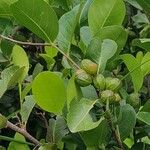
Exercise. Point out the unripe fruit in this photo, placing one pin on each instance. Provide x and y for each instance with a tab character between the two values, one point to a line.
83	78
117	97
113	84
134	99
107	95
99	82
89	66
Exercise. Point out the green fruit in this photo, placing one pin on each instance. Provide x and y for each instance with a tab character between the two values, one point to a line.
134	99
117	97
107	95
89	66
99	82
83	78
113	84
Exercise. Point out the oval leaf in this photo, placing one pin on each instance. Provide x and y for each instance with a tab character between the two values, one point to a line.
38	17
49	91
20	59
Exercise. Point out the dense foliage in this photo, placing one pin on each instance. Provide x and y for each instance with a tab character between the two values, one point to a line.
75	74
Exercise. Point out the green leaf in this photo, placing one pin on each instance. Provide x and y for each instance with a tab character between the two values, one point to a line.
47	147
137	76
145	64
146	107
127	121
20	58
3	122
144	117
85	34
104	13
89	92
97	136
142	43
27	107
78	118
67	24
101	52
73	91
116	33
49	91
12	75
58	128
134	3
16	146
38	17
145	4
5	11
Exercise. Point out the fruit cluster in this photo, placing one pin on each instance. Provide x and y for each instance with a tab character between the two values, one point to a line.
107	87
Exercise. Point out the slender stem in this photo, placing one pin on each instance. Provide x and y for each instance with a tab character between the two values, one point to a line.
23	132
5	138
40	44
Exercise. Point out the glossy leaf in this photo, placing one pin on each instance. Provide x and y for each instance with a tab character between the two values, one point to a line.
78	118
20	58
41	20
105	13
137	76
127	121
49	91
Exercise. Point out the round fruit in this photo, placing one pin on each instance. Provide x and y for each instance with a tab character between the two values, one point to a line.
89	66
83	78
99	82
134	99
117	97
107	95
113	84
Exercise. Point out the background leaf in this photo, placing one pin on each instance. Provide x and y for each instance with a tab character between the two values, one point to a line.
41	20
49	91
97	136
27	107
145	4
104	13
127	121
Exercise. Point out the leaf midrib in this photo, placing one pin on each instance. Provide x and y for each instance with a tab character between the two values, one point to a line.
34	22
83	116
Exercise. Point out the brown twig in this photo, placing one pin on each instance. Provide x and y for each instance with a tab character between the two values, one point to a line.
23	132
40	44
